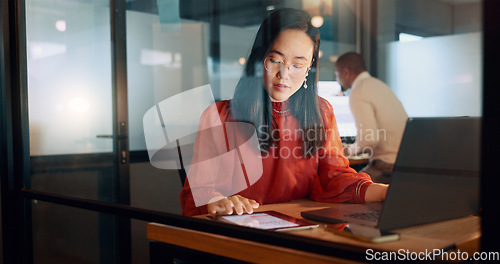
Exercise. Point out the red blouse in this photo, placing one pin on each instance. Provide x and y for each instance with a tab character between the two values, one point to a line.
285	174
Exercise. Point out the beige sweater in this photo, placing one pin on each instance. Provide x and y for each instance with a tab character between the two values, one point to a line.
380	118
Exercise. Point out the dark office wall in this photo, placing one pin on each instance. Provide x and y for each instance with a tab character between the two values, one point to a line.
67	235
467	18
154	189
432	18
424	17
64	234
1	235
2	125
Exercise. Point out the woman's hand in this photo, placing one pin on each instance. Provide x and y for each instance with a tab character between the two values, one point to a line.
376	192
225	205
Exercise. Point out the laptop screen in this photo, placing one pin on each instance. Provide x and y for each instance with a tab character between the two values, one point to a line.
436	175
441	143
330	91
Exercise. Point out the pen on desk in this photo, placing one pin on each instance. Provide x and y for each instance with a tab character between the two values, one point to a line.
333	229
339	227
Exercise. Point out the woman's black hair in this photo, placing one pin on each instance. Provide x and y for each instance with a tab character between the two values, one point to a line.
251	102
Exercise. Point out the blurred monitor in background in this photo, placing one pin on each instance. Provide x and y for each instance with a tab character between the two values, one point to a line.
332	92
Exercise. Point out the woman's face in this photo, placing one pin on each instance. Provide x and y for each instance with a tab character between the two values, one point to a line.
287	64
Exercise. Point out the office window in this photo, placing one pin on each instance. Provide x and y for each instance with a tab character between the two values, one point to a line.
450	81
440	74
69	76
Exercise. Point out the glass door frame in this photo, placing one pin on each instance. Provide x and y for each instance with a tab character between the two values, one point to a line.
14	23
14	132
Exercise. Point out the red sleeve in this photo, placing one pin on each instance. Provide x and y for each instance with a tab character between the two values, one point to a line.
210	143
187	202
336	181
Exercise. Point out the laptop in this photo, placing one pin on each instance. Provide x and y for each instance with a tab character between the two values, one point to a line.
435	178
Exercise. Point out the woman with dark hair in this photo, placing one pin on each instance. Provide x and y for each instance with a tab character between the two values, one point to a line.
300	149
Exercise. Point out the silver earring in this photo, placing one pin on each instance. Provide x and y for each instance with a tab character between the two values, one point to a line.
305	84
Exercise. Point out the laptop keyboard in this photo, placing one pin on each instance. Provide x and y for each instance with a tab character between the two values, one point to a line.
368	216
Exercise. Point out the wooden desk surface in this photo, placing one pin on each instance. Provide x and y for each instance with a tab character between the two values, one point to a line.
464	233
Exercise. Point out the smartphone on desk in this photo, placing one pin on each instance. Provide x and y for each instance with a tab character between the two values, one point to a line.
365	233
267	220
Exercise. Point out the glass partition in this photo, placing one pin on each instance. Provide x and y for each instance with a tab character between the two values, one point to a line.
69	76
171	55
182	56
76	235
442	66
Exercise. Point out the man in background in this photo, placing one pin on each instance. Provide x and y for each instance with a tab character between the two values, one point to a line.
379	115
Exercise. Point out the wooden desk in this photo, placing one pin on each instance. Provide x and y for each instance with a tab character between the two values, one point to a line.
464	233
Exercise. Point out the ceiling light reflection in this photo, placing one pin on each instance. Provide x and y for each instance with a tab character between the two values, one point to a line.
60	25
317	21
79	105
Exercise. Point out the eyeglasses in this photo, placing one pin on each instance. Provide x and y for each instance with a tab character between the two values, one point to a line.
294	69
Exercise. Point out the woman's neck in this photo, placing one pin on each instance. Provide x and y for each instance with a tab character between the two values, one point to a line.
281	108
